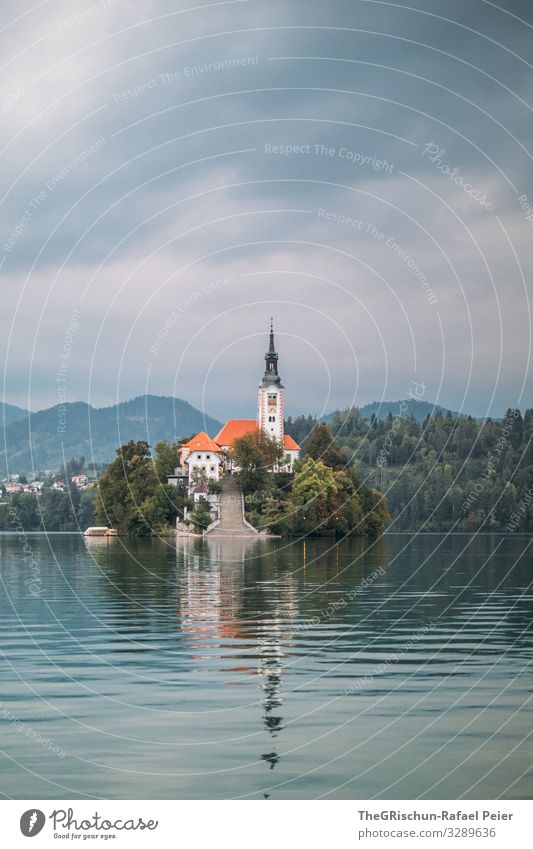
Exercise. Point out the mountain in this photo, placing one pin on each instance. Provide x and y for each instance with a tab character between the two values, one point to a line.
409	407
47	438
43	440
10	414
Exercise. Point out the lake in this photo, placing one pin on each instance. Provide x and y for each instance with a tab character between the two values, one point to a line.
182	668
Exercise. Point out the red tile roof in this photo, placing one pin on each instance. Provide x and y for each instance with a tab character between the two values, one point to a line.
234	429
202	442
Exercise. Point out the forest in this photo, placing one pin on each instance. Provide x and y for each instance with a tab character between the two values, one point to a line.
324	496
445	473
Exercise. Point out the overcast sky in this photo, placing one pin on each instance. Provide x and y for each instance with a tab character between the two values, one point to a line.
174	173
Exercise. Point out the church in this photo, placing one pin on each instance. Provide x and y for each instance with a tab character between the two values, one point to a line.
203	459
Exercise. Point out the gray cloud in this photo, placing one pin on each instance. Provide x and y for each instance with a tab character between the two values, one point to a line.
145	158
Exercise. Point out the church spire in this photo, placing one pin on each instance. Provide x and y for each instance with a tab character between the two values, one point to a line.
271	347
271	376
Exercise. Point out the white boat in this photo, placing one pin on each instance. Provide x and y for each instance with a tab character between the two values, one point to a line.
100	531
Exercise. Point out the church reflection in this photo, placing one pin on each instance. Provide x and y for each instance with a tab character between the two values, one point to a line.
220	601
233	612
274	642
210	592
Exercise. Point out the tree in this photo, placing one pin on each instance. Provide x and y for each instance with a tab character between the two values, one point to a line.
376	513
24	513
86	516
256	454
432	470
166	459
131	497
324	500
127	483
323	446
314	498
160	509
300	428
201	516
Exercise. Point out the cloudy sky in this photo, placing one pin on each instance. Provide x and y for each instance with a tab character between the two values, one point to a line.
174	173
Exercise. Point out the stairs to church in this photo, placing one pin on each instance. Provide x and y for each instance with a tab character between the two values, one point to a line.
231	513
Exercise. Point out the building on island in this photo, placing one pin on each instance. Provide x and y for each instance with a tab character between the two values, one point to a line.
203	459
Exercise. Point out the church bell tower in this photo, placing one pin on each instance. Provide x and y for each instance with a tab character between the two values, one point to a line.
270	416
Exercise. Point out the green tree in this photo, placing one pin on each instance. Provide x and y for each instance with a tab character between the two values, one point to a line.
127	483
166	459
201	516
131	497
57	512
313	500
86	516
432	469
324	500
24	511
256	454
159	510
322	445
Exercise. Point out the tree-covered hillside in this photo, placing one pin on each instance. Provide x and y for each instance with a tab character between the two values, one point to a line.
412	406
445	472
9	414
44	439
324	495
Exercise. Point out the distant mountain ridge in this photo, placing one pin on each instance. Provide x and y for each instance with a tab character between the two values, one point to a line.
43	440
418	409
34	440
9	414
408	407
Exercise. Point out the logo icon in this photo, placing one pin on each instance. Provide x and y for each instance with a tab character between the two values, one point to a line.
32	822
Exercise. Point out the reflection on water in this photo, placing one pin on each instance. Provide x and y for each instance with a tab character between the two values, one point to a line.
213	607
253	668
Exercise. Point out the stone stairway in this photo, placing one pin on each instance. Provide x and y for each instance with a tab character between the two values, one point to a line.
231	518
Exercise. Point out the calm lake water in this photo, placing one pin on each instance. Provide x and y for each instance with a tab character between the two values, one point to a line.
195	669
